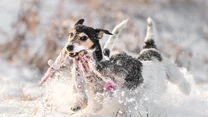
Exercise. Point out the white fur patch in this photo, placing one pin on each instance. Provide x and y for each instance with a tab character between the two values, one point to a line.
149	34
154	78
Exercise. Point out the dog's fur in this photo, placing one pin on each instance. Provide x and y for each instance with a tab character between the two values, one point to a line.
149	68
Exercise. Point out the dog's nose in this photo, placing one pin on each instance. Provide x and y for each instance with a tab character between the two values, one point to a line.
70	47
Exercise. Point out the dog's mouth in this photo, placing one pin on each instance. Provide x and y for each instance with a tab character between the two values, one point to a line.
73	54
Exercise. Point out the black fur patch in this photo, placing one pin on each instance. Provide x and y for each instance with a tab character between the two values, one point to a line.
150	44
87	30
149	55
106	52
97	54
125	67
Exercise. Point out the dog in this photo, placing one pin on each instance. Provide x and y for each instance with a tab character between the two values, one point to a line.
149	69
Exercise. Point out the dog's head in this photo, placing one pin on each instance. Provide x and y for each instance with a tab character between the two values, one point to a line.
84	38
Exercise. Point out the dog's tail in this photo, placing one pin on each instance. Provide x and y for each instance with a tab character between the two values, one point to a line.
112	39
149	39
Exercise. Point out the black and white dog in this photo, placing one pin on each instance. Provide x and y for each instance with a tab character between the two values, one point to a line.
149	69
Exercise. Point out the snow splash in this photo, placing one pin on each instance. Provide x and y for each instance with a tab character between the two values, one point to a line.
59	97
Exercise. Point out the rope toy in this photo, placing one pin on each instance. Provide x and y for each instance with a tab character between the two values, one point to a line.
84	65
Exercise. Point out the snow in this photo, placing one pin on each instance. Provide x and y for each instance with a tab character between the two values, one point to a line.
181	35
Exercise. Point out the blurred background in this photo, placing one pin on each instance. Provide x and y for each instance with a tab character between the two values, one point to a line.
33	31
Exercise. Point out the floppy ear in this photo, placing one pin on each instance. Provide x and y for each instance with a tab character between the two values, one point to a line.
80	21
100	32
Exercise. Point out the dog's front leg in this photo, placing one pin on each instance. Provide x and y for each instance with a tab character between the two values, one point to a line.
82	99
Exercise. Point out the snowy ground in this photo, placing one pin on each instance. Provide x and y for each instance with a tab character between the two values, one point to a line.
22	97
182	36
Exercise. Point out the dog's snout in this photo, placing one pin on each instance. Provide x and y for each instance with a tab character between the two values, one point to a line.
70	47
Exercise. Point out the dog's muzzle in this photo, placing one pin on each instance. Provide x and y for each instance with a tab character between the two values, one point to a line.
70	48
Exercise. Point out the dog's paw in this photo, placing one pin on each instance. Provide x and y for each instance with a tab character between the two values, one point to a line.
78	105
75	108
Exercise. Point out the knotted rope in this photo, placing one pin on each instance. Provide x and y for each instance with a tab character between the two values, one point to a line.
82	68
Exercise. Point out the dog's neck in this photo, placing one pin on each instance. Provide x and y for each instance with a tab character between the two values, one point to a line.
96	52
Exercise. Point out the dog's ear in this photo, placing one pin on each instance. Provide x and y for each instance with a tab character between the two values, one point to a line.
100	32
80	21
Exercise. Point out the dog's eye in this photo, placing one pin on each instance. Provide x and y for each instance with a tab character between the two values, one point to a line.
71	34
84	38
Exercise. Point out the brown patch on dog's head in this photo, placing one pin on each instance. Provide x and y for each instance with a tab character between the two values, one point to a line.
84	40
